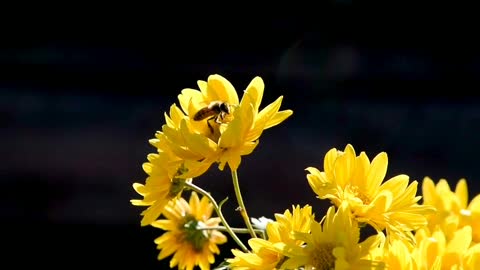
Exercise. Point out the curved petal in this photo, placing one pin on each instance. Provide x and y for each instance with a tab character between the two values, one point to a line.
362	165
190	96
278	118
344	166
236	132
198	143
329	161
376	173
461	191
255	90
219	88
262	119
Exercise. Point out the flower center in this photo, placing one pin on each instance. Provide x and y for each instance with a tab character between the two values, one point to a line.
323	258
193	233
359	194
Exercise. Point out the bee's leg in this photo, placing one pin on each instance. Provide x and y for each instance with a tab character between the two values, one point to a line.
219	118
210	125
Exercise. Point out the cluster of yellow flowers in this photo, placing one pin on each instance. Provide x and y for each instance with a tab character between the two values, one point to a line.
213	126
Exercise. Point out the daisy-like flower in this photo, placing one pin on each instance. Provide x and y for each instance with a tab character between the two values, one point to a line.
161	185
434	251
226	129
267	254
357	181
333	244
187	236
453	208
396	255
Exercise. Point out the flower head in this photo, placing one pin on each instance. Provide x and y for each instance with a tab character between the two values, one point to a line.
333	244
453	208
187	236
396	254
435	251
161	185
213	126
267	253
357	181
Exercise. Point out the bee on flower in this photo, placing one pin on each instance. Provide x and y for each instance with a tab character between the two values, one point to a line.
213	126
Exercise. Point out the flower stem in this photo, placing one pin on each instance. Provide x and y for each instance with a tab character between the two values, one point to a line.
242	209
219	213
237	230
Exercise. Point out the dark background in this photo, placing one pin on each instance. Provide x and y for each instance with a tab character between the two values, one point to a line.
81	95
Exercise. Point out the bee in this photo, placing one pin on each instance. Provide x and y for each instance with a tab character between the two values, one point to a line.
216	110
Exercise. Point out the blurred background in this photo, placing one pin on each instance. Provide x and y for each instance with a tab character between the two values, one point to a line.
81	96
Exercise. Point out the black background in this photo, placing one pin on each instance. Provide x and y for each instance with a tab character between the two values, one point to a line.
81	94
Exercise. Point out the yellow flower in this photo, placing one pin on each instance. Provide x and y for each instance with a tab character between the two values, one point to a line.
434	251
334	244
266	254
187	236
453	209
396	255
220	139
160	186
357	181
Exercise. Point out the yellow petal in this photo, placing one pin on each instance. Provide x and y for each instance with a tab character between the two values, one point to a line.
233	161
461	241
219	88
237	130
176	115
278	118
329	161
377	172
255	91
164	224
198	144
140	189
428	191
396	184
140	203
461	191
248	147
152	213
203	85
196	168
190	96
262	119
344	166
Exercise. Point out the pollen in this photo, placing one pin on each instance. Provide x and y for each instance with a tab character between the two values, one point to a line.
361	195
323	258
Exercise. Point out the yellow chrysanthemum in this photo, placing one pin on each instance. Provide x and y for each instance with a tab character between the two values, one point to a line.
453	209
434	251
357	181
266	254
160	186
396	255
225	139
333	244
187	236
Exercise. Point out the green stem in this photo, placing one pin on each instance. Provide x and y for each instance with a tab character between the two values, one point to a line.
219	213
237	230
242	209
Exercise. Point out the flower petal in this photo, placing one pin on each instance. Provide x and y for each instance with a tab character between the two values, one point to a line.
278	118
220	89
377	172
